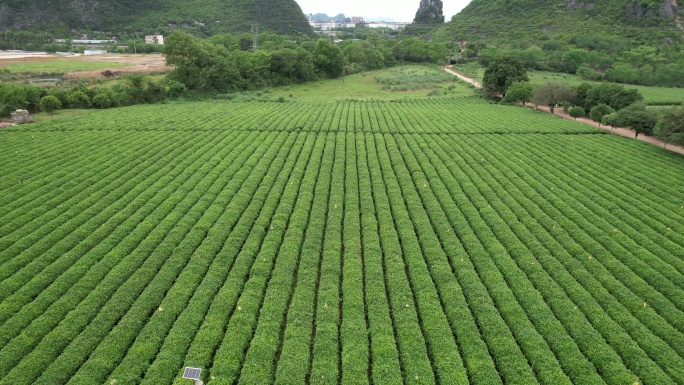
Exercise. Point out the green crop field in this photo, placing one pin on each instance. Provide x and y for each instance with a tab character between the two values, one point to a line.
431	240
401	82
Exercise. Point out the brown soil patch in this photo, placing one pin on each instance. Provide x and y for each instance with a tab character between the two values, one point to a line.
4	60
119	71
139	64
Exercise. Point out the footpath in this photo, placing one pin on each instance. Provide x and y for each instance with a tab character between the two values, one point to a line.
626	132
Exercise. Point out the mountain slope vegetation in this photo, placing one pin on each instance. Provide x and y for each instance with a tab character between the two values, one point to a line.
642	20
280	16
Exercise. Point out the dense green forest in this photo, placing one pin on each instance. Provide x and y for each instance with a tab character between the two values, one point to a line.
652	21
206	17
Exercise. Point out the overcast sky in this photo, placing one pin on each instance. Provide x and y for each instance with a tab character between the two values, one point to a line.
399	10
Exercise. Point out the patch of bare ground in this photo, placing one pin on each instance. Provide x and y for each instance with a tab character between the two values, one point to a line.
138	64
120	71
7	59
463	77
626	132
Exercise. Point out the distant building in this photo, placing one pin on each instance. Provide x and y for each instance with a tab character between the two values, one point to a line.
87	42
357	19
90	52
322	26
386	24
154	39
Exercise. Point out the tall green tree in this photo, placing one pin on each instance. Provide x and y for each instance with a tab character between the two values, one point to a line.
519	92
80	100
576	112
614	95
552	93
573	58
50	104
503	72
327	58
638	118
599	111
670	128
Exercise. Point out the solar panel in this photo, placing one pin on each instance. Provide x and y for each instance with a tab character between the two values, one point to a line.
192	373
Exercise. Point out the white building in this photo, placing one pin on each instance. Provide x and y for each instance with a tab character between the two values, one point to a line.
384	24
90	52
330	25
154	39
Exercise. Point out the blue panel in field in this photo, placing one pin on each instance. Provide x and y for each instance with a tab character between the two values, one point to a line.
192	373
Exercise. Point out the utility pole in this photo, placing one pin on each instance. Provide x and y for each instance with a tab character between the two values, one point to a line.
255	37
343	60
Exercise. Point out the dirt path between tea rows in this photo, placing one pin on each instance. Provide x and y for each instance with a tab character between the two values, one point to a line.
626	132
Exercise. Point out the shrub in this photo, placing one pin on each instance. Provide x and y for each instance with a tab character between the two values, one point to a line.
50	104
576	112
102	101
78	99
599	111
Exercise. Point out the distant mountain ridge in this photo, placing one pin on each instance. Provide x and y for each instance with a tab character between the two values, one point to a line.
281	16
643	19
325	17
430	12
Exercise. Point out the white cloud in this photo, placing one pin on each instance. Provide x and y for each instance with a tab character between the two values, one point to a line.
402	10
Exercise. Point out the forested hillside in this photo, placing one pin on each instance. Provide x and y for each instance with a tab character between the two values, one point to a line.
644	20
209	16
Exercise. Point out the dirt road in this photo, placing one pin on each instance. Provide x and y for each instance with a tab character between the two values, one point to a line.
626	132
463	77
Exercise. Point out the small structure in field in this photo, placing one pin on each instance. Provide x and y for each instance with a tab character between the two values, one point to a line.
20	116
154	39
91	52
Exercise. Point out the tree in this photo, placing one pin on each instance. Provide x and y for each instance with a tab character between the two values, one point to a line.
622	73
670	128
611	120
552	93
614	95
576	112
599	111
50	104
501	73
327	58
581	93
638	118
588	73
79	100
573	58
519	92
102	101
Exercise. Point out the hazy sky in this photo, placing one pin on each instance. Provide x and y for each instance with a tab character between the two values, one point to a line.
399	10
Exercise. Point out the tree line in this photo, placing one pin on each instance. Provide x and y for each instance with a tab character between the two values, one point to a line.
593	57
609	104
228	63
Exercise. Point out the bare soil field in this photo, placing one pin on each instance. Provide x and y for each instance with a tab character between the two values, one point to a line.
146	64
138	64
